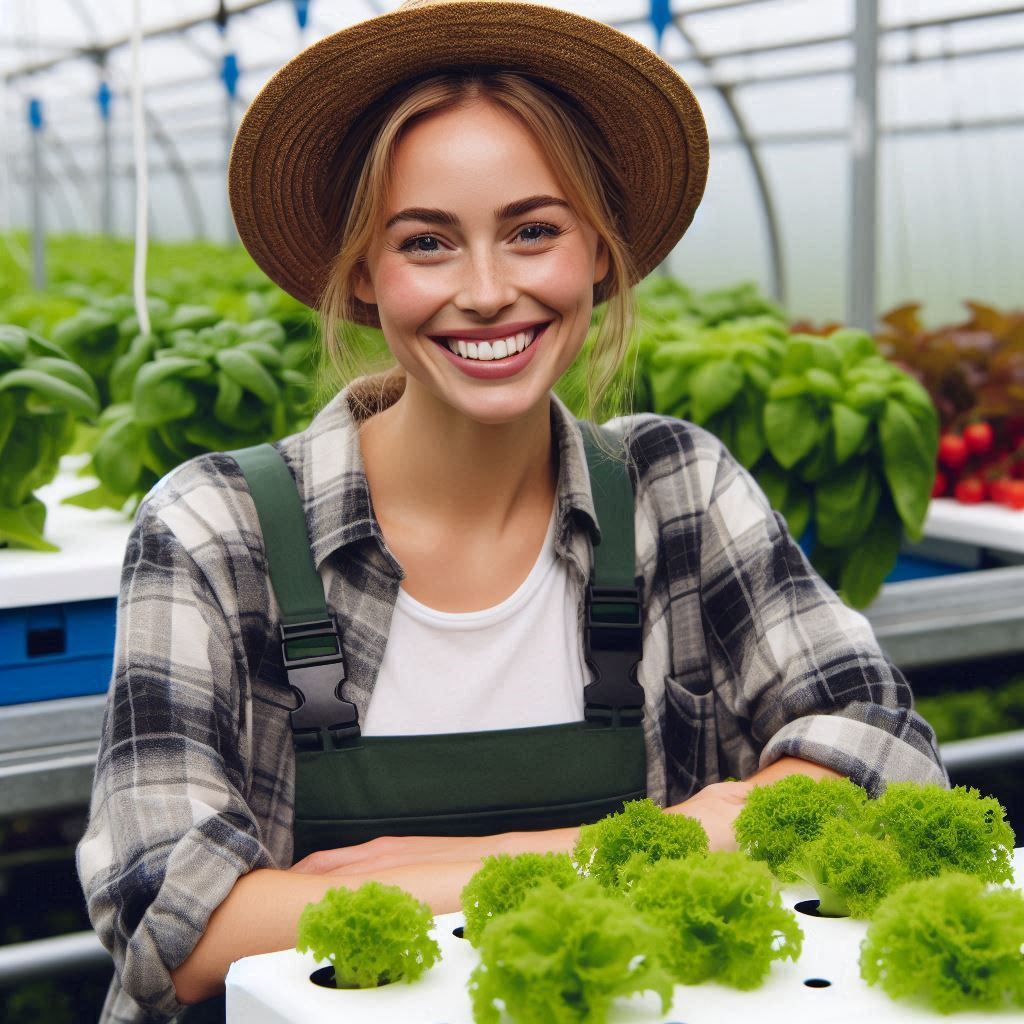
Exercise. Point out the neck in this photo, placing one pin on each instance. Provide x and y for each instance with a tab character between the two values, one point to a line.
424	459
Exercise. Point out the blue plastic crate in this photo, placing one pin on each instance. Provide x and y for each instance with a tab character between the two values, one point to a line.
57	650
908	566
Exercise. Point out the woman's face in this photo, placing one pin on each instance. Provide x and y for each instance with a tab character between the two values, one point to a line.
481	247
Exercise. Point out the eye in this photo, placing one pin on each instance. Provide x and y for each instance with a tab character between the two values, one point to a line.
534	233
421	244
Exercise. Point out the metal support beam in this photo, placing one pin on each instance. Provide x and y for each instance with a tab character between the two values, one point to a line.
94	49
903	26
833	71
776	270
189	195
73	175
107	196
689	12
36	185
860	299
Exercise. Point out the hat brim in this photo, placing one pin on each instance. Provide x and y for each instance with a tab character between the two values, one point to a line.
285	143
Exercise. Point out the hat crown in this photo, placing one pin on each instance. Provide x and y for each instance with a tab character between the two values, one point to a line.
412	5
286	146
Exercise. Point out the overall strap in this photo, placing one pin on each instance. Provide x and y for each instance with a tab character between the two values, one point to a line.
614	612
310	642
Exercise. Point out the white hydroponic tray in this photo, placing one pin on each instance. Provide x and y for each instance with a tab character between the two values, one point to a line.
985	525
275	988
91	541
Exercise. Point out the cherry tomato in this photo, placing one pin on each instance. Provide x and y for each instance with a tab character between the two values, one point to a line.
1013	494
979	437
997	489
970	490
952	451
941	484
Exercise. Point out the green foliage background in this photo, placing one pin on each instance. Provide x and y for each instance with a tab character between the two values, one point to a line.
841	441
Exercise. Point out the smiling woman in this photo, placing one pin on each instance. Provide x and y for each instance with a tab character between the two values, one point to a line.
448	619
526	138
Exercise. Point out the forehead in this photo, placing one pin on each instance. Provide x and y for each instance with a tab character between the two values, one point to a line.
466	154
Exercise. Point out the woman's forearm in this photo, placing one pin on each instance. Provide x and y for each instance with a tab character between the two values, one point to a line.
261	913
717	806
791	766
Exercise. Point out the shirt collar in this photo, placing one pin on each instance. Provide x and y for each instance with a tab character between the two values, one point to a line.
328	465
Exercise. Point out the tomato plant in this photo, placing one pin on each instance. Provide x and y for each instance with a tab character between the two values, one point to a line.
979	437
953	451
1013	494
970	490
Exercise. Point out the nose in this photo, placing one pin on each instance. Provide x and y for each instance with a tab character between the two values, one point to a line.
485	287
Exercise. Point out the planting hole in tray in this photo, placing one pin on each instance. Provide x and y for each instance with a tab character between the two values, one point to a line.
810	908
324	977
458	932
818	983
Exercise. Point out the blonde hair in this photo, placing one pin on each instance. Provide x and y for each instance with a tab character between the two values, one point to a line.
354	210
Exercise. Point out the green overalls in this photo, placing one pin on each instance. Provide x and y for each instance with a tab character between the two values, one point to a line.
351	788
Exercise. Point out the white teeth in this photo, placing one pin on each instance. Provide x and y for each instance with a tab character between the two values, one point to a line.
489	350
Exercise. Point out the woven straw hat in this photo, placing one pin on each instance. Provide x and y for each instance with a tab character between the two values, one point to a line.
293	129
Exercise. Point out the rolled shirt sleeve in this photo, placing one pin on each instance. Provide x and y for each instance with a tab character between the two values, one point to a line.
169	828
789	657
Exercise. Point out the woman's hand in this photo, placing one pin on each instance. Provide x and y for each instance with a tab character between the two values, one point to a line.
716	807
395	852
404	851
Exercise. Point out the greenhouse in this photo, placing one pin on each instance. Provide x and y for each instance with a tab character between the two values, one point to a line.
511	511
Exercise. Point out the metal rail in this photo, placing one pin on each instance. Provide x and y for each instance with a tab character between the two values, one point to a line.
79	951
949	619
48	753
983	751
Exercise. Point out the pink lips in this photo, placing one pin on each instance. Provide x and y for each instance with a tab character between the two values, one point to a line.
490	333
495	369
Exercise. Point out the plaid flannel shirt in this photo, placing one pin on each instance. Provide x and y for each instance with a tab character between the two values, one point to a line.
747	657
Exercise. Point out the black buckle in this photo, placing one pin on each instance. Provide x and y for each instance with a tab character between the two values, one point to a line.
316	682
613	651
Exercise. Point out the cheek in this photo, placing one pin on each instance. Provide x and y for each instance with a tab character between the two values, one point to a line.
406	295
563	279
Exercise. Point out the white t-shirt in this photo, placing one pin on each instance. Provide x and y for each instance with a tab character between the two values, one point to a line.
513	665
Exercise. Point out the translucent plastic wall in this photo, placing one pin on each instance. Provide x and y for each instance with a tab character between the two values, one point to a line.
775	79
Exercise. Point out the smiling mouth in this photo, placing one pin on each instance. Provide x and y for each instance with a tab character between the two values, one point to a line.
492	348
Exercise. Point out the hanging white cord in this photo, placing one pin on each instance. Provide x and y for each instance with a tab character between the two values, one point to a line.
141	173
12	105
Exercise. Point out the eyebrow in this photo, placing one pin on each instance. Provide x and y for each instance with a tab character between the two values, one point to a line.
515	209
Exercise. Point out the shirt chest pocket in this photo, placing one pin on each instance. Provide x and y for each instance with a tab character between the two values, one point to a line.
691	739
